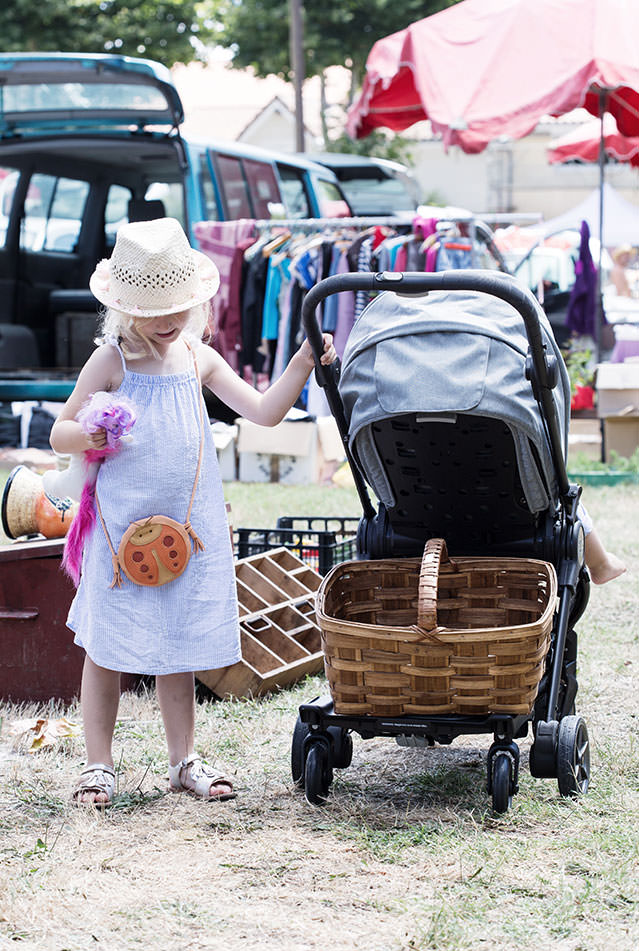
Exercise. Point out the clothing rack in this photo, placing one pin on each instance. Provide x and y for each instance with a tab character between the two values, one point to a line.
395	221
320	224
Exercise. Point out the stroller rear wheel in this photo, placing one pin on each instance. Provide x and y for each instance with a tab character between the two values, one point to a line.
573	756
298	752
342	743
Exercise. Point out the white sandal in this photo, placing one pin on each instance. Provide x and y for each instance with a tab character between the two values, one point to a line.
95	778
203	776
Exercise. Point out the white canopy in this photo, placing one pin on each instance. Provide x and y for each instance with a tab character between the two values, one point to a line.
620	218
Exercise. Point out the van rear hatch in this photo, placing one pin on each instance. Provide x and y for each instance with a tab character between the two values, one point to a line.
80	92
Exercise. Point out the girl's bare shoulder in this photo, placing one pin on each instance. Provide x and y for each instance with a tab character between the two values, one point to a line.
208	361
105	367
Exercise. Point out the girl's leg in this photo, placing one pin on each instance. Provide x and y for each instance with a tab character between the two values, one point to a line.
99	699
603	565
176	696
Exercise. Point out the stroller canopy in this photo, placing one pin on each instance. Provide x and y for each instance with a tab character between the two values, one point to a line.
443	354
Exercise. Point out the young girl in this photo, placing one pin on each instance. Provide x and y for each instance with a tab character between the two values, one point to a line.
155	287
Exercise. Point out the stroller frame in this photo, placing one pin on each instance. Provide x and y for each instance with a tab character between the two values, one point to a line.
322	739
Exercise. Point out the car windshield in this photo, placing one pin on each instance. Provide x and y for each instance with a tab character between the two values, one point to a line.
372	192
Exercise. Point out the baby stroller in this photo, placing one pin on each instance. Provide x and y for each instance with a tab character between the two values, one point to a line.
453	403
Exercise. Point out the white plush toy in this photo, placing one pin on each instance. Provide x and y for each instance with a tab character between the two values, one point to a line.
101	411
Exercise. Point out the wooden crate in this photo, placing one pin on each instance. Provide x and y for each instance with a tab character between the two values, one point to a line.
280	638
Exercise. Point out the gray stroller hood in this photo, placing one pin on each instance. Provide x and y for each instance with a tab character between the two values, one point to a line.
443	354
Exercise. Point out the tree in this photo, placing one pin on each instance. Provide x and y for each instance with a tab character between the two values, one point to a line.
396	148
335	31
169	31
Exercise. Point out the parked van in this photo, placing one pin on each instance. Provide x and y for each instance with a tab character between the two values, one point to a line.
88	142
373	186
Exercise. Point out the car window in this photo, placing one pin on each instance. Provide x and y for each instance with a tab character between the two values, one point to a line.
82	98
370	191
263	187
53	212
171	194
9	178
294	192
233	187
331	202
115	212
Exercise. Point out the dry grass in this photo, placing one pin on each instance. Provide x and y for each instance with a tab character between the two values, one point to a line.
406	855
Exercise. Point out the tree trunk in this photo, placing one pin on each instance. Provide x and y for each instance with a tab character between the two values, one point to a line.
323	108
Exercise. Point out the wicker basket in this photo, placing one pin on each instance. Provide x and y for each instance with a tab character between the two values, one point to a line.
467	636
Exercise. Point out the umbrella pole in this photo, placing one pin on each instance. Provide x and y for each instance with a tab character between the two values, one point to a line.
602	162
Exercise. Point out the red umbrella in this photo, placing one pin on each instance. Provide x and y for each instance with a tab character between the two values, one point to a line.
583	144
482	69
486	68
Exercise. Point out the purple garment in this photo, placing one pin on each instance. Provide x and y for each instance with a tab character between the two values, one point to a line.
581	316
345	310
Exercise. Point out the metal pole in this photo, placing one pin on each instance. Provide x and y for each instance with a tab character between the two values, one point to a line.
296	38
602	162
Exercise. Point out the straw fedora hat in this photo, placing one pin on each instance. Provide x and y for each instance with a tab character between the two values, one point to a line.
154	271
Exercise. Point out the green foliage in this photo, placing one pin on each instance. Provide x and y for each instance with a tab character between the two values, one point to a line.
377	144
336	32
580	366
616	463
168	31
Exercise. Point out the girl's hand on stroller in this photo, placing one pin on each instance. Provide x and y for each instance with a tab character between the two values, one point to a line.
328	356
330	353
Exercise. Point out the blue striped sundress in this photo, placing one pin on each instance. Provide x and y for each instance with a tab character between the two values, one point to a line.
191	623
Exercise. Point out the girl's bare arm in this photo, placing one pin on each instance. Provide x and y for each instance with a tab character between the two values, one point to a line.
102	371
270	407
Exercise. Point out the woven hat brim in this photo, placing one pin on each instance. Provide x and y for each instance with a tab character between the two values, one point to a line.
206	289
21	491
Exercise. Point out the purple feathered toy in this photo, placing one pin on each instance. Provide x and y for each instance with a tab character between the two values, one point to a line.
116	415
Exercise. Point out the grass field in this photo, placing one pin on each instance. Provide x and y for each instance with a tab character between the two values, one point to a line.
405	856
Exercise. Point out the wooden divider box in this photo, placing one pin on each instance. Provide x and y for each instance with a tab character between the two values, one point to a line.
278	631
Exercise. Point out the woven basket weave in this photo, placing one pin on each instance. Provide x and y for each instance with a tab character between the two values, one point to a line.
467	636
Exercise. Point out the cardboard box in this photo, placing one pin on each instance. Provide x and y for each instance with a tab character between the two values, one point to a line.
621	434
225	439
617	386
295	452
584	438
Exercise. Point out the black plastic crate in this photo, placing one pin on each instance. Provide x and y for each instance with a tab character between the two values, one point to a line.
319	541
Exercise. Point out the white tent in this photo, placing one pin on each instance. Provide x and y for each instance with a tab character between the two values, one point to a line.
620	218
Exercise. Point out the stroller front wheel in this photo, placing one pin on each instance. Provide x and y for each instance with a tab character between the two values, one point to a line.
502	783
318	774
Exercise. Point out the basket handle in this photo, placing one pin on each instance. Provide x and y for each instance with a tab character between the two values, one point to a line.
435	554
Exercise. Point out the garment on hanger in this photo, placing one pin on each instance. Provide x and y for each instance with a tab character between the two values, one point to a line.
219	240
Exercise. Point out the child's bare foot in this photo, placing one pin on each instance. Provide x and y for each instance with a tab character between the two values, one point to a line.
606	569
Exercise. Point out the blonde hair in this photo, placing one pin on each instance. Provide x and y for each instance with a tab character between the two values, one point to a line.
621	251
128	330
